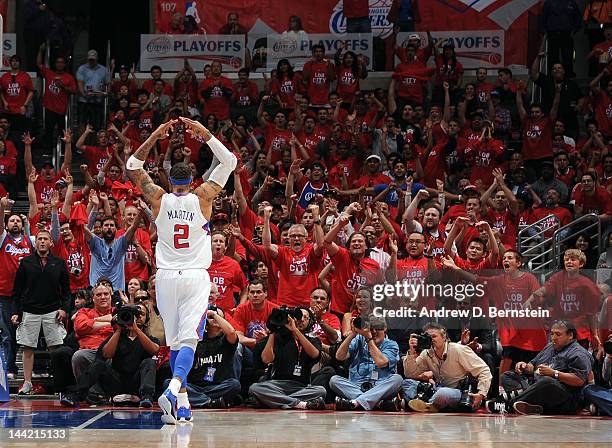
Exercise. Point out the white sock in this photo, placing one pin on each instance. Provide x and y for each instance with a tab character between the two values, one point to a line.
182	400
175	386
300	405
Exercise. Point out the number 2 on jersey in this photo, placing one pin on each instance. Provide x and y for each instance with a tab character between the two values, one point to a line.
181	233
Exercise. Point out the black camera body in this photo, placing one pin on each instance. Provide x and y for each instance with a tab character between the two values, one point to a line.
127	314
466	401
423	342
361	323
279	317
425	391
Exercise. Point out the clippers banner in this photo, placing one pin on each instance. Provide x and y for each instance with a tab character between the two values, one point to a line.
509	17
169	51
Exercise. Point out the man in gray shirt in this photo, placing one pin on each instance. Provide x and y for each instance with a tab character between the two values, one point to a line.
93	80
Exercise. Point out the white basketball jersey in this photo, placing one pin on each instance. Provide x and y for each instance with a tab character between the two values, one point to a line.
183	234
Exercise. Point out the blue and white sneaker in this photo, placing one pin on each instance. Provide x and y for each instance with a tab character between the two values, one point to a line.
184	415
167	403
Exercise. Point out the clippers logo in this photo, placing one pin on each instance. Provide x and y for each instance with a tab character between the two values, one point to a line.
379	9
159	45
16	251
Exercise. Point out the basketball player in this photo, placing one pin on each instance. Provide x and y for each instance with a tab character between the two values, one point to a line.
183	254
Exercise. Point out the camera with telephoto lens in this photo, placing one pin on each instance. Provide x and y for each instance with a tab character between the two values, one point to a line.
607	346
361	323
466	401
76	270
279	317
425	391
127	314
423	342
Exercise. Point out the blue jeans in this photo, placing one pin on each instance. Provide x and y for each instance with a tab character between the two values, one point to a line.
600	397
444	397
201	395
382	390
7	335
359	25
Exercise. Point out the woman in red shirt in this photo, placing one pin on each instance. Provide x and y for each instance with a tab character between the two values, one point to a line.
349	72
286	84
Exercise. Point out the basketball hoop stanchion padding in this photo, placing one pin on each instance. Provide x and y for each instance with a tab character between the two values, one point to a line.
4	385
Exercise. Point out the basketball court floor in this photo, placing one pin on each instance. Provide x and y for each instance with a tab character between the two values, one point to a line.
247	428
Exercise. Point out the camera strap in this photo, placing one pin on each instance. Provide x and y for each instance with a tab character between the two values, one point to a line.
297	370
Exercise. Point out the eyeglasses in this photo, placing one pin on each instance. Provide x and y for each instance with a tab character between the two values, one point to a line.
296	236
413	242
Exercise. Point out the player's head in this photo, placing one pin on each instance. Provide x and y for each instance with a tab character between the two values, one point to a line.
512	260
180	176
573	260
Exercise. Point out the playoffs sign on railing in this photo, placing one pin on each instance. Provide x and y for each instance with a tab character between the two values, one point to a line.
298	49
170	51
479	48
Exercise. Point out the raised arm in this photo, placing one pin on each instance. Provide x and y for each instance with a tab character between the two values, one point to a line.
456	229
554	109
267	235
33	210
80	144
27	153
67	139
520	90
136	173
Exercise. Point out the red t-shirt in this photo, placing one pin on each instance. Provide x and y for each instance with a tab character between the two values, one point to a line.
133	267
537	138
482	89
298	275
245	95
603	113
55	98
77	256
86	335
276	139
96	158
599	202
507	225
310	142
331	320
11	253
319	82
446	72
286	89
249	220
149	83
473	266
348	84
15	89
348	168
410	80
564	217
8	164
411	271
247	319
575	299
507	293
349	276
218	101
484	157
229	278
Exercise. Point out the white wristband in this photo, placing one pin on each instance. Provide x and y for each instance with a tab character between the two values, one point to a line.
134	163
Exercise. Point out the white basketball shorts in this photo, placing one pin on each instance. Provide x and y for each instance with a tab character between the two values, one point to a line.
182	300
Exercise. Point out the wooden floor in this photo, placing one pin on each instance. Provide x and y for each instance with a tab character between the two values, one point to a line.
246	428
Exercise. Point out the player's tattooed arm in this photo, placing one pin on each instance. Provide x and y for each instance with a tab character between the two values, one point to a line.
151	192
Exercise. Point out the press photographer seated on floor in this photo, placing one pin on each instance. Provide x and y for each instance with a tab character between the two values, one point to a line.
290	356
124	369
447	365
551	383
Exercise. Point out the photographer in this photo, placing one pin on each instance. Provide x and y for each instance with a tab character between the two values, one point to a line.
447	364
131	370
290	355
601	396
211	382
552	381
373	359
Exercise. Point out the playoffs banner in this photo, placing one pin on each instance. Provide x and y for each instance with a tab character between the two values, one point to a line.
473	48
299	50
9	43
510	17
170	51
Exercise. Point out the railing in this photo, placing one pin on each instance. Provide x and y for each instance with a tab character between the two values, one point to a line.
534	246
110	80
575	228
536	92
